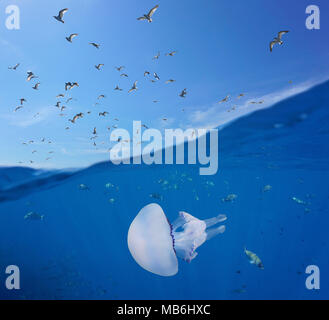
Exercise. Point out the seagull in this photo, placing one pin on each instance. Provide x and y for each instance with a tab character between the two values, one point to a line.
76	117
149	15
156	76
240	95
30	76
95	45
225	99
60	96
36	86
14	67
103	114
117	88
17	108
98	67
120	68
94	131
63	108
124	75
68	100
183	93
277	40
61	15
171	54
170	81
157	56
68	85
134	87
74	84
22	101
71	37
58	104
146	73
101	97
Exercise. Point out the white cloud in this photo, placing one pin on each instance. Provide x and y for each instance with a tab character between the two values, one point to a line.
19	120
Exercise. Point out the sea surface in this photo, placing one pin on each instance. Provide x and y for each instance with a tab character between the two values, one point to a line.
276	162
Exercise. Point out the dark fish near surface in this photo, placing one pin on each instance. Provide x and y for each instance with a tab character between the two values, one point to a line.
156	196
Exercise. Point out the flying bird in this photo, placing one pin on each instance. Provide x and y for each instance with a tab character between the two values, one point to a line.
156	76
240	95
117	88
225	99
171	54
22	101
76	117
71	37
17	108
103	114
61	15
134	87
95	45
149	15
14	67
101	97
30	76
277	40
157	56
124	75
120	68
95	131
146	73
36	86
183	93
68	85
60	96
170	81
99	66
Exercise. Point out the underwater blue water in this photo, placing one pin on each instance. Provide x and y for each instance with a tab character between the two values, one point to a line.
79	250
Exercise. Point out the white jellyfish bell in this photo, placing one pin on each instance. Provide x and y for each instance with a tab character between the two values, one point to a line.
155	244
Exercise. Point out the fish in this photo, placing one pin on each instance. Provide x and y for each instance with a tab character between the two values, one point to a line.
254	259
156	196
267	188
34	216
298	200
230	198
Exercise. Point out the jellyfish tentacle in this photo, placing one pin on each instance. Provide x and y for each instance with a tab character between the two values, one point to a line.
215	231
179	222
195	233
212	221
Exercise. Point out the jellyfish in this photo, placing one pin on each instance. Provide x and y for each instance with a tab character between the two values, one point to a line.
155	244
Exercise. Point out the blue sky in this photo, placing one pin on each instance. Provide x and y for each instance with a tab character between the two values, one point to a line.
223	49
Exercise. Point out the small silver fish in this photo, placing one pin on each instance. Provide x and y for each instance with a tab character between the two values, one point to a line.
298	200
230	198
